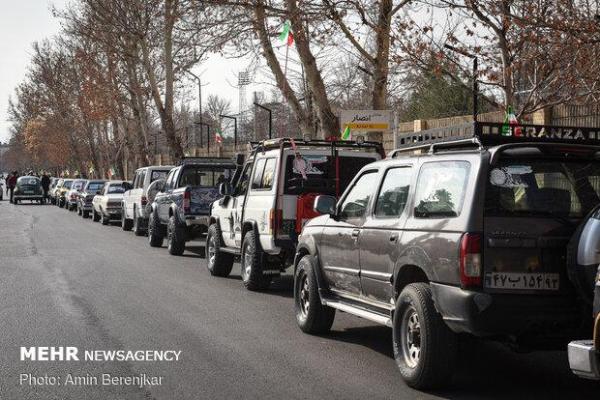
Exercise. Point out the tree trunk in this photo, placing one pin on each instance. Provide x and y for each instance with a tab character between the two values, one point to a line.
280	78
329	121
381	62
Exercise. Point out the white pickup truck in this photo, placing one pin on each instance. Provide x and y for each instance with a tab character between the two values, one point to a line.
262	213
135	200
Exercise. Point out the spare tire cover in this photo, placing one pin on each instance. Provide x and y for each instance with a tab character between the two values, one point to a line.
583	256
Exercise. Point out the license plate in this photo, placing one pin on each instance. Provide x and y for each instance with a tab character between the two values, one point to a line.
522	281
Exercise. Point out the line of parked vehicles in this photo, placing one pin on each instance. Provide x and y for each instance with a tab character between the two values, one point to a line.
478	234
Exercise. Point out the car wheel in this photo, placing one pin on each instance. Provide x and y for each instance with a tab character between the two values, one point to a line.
103	218
85	214
126	223
218	262
137	229
312	316
252	262
175	237
425	348
155	239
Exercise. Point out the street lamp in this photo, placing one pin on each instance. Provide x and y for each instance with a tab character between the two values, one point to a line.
270	118
207	135
475	72
197	78
235	127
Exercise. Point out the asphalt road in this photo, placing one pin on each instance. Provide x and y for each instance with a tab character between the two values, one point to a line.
66	281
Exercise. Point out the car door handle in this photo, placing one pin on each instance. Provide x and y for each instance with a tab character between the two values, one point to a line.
355	232
393	237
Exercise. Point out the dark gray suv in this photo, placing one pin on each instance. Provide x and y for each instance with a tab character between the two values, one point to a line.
459	231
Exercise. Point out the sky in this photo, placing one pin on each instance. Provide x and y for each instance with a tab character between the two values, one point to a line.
23	22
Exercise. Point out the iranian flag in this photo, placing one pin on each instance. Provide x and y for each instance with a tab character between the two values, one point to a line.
218	137
286	35
346	133
510	121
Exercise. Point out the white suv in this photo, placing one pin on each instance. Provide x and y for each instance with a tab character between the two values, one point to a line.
135	200
271	197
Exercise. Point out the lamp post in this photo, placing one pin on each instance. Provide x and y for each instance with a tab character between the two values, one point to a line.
270	118
475	72
207	135
235	127
197	78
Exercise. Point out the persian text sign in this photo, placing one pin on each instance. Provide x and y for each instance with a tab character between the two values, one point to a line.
366	120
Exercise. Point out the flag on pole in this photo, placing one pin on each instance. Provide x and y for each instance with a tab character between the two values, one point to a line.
510	121
346	133
286	35
218	137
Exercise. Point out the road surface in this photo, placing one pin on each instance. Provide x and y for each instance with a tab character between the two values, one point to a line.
72	282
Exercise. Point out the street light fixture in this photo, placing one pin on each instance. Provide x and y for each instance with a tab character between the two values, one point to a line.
270	118
475	73
235	128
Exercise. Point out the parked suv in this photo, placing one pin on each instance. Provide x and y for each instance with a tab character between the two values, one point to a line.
85	198
261	216
135	200
180	210
454	234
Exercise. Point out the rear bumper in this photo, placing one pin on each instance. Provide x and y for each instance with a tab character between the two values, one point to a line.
87	207
28	196
193	220
509	315
113	213
584	359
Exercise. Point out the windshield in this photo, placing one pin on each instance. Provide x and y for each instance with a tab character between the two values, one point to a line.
543	187
116	189
68	184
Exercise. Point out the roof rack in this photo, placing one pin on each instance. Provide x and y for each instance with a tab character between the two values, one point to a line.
289	142
204	160
487	134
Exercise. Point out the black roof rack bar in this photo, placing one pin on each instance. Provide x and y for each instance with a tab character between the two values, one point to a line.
490	134
277	143
204	160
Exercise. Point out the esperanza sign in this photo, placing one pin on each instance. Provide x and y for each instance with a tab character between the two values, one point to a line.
366	120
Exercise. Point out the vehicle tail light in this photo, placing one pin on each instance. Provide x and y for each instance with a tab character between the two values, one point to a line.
144	200
275	220
186	201
470	260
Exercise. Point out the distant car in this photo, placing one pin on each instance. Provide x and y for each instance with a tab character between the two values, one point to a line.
72	195
29	188
136	199
62	191
106	205
84	200
53	183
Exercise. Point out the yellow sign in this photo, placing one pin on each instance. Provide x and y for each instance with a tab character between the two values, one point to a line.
367	125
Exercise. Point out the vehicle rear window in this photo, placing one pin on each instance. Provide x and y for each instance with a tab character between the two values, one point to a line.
78	185
158	175
94	186
543	187
204	176
115	188
318	172
28	181
68	184
441	189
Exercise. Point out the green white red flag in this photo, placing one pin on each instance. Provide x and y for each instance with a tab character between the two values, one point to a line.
218	137
511	126
286	35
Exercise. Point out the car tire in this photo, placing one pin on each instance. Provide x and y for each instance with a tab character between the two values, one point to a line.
218	263
85	214
175	237
137	230
425	348
104	219
252	262
126	223
312	316
155	239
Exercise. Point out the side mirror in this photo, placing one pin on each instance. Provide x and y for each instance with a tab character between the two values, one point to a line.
225	189
325	204
240	158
